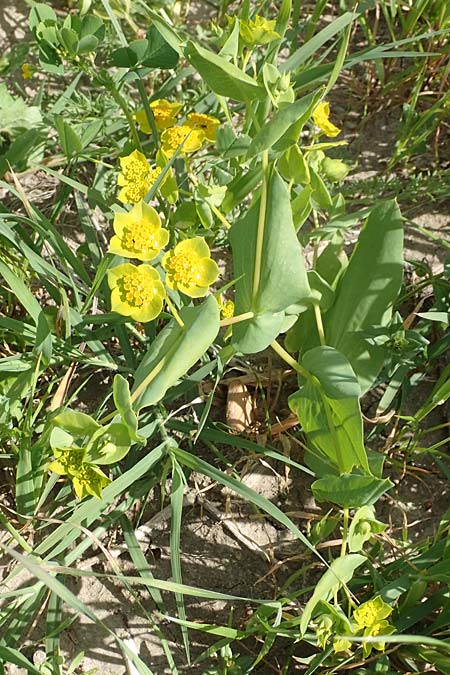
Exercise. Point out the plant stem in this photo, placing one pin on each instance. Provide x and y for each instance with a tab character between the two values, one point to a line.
174	311
344	533
283	354
261	225
319	323
148	112
121	102
236	319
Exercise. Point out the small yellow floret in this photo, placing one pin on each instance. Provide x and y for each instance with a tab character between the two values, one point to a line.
206	123
321	117
189	268
190	139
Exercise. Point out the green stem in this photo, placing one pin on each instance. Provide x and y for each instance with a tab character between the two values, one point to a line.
174	311
261	224
283	354
148	112
319	323
122	103
345	532
236	319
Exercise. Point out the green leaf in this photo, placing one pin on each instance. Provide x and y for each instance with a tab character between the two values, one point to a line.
328	409
283	119
174	351
159	53
223	77
109	444
69	140
350	490
122	399
130	56
339	573
282	278
367	290
41	13
77	424
15	115
43	344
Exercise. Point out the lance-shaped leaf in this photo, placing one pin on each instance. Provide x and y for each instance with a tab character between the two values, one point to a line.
174	351
269	266
327	406
223	77
122	399
337	575
367	290
293	115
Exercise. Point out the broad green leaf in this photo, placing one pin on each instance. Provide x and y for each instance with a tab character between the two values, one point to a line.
328	409
282	280
40	12
109	444
363	526
159	53
283	119
223	77
367	291
122	399
15	115
350	490
339	573
77	424
174	351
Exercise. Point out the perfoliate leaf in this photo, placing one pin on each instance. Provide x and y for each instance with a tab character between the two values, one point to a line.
282	278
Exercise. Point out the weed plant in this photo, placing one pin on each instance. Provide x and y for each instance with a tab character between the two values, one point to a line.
175	147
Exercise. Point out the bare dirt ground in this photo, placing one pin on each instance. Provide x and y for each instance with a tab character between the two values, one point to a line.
237	553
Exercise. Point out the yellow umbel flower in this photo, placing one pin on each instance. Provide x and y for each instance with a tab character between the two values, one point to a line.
136	291
135	178
321	117
189	268
164	112
87	479
371	621
206	123
172	138
138	233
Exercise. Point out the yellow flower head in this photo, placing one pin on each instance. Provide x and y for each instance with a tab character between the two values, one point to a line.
164	112
136	291
371	612
87	479
371	622
173	137
27	71
206	123
226	308
321	117
136	177
138	233
189	268
261	31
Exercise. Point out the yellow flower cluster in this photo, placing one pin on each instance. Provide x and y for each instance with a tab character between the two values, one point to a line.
87	479
190	135
137	291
